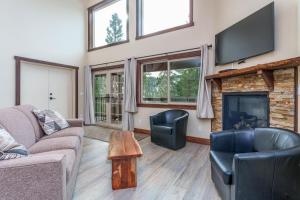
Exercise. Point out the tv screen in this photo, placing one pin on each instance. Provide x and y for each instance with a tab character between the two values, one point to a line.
250	37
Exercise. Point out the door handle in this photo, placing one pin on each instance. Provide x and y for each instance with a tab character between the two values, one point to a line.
52	98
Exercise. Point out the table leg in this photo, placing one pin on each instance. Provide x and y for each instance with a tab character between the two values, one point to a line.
124	173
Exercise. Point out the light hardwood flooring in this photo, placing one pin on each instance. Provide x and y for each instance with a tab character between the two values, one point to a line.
162	174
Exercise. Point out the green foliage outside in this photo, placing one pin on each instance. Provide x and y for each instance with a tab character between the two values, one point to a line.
114	31
155	87
99	92
183	85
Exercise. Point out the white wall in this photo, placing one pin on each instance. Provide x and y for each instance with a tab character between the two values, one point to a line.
52	30
210	18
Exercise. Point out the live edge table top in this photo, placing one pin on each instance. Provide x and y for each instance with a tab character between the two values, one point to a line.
123	145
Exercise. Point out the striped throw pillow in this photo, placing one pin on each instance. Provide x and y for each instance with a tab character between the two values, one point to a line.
9	148
50	121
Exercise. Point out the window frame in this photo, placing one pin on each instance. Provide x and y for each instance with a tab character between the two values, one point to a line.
166	58
91	36
139	22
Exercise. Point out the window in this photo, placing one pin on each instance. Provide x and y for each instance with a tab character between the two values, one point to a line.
108	24
170	82
157	16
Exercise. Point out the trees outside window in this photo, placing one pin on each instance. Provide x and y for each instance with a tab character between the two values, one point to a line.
108	23
115	30
171	81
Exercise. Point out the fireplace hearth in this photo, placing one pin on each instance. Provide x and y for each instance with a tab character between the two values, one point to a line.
245	110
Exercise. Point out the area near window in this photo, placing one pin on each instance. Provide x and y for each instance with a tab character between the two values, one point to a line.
169	83
156	16
108	23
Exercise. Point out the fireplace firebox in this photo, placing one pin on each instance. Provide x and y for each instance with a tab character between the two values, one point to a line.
245	110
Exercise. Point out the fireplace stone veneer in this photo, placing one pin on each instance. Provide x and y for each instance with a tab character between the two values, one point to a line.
282	99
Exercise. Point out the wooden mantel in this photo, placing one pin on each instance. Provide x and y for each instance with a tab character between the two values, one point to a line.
265	70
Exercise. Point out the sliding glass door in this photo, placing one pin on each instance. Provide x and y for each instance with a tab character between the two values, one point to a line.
108	97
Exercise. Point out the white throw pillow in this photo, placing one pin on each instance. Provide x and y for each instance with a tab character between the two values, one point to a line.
9	148
50	121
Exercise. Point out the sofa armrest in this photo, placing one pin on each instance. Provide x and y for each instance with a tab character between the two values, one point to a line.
253	174
223	141
75	122
34	177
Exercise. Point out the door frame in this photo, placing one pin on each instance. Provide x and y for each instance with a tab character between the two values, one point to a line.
106	70
19	60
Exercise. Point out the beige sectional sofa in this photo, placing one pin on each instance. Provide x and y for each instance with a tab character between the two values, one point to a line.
50	171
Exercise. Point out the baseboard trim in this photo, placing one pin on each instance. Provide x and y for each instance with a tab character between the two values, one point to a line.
191	139
198	140
141	131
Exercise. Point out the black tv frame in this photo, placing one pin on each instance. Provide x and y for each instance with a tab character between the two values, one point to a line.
242	60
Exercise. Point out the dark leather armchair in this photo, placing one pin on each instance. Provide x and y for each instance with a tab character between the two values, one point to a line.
168	128
256	164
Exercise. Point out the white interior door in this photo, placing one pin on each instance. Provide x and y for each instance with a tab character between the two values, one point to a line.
34	85
48	88
61	91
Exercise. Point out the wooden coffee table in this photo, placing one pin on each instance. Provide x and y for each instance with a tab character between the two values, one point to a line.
123	151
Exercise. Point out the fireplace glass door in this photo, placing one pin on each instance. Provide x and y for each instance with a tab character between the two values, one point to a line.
245	110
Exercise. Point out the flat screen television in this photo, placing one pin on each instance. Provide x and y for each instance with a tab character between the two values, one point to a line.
250	37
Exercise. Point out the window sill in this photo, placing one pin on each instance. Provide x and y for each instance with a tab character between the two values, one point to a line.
108	45
165	31
172	106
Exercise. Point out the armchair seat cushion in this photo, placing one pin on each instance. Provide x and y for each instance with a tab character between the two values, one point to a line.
52	144
222	163
70	159
165	129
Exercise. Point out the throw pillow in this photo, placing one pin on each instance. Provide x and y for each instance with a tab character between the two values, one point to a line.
9	148
50	121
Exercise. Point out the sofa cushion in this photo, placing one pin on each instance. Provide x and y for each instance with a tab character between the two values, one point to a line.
162	129
52	144
50	120
73	131
222	163
27	110
18	125
70	159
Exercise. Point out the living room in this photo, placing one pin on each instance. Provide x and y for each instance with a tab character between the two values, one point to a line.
149	99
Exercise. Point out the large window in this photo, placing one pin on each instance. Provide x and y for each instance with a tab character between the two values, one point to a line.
108	23
160	16
170	82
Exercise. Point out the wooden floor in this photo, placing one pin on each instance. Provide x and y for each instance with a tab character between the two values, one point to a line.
162	174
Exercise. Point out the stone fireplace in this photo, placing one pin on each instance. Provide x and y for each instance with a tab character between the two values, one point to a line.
255	100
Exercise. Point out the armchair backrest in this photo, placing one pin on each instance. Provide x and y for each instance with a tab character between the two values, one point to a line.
171	115
269	139
272	172
261	140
